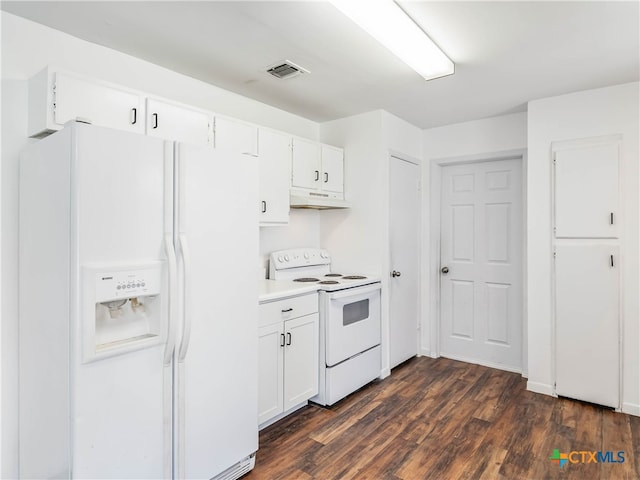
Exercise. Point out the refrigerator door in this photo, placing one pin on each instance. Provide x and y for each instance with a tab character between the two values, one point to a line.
217	245
117	201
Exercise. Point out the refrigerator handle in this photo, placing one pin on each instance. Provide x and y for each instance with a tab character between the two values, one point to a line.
186	318
173	299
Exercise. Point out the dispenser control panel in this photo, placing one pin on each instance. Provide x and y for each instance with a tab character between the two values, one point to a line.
123	309
114	284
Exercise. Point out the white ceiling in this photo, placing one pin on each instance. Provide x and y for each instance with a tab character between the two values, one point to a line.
506	53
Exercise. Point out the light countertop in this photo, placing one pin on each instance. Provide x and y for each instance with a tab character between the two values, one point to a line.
277	289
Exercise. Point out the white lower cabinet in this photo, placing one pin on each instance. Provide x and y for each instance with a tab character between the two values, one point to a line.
288	355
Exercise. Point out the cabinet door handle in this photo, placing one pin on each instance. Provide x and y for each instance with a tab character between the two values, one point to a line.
155	120
282	339
288	338
264	206
326	177
317	175
611	218
612	265
134	116
287	310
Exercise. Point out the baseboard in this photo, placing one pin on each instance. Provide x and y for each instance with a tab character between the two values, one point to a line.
425	352
537	387
484	364
280	416
384	373
631	409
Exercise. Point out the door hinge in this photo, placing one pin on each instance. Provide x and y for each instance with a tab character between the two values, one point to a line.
53	97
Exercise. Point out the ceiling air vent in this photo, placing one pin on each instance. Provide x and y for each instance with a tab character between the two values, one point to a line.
286	69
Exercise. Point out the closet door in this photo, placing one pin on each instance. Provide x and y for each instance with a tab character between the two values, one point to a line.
587	325
586	192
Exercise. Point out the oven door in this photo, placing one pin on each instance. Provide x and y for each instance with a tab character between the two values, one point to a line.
351	322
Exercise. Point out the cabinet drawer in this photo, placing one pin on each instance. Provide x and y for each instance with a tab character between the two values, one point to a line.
294	307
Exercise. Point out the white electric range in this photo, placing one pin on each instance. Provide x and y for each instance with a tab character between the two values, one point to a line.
350	320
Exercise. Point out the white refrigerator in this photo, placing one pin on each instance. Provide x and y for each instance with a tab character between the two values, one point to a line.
138	308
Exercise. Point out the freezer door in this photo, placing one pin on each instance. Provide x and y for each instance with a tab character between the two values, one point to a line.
117	199
217	245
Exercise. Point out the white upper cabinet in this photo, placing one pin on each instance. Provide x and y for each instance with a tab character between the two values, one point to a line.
274	158
305	164
332	169
317	167
57	97
587	191
235	136
181	123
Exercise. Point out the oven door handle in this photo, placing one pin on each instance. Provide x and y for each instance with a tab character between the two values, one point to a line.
353	291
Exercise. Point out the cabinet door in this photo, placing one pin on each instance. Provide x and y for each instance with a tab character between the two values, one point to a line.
586	192
305	165
275	171
270	375
301	360
236	136
98	103
178	122
587	322
332	169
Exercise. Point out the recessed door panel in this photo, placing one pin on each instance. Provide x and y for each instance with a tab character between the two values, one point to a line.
498	216
498	313
462	307
462	232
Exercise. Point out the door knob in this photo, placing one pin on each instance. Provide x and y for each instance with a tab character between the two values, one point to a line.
445	270
395	274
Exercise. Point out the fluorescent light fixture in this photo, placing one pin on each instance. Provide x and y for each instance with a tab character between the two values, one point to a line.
385	21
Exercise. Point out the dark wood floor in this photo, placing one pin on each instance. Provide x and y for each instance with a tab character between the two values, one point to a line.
442	419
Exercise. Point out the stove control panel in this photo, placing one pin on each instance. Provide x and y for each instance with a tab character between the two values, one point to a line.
299	257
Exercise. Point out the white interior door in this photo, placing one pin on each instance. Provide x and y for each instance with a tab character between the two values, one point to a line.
481	263
405	260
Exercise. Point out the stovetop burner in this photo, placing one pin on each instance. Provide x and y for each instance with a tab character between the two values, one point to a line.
311	267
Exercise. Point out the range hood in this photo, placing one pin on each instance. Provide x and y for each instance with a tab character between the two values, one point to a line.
315	200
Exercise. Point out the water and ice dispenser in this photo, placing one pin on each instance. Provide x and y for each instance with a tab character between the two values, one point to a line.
123	309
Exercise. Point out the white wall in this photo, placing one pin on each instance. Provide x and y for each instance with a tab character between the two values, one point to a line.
358	238
480	139
605	111
28	47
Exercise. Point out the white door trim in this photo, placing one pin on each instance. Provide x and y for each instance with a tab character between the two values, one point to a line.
433	274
